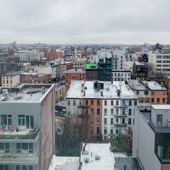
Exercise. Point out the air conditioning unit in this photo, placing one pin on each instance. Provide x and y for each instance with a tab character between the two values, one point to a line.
168	122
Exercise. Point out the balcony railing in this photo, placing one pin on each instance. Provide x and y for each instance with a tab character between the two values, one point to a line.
121	115
21	134
16	158
121	106
119	125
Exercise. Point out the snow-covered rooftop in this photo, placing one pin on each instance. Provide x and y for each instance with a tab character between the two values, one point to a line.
161	106
97	156
64	163
153	85
85	89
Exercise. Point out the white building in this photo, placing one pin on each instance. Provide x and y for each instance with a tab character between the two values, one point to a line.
160	60
93	58
96	157
110	103
151	137
10	79
121	75
30	55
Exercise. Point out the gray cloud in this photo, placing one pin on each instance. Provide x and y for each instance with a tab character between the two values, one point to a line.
85	21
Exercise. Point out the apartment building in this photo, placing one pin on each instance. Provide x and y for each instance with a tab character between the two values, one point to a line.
91	71
29	77
60	90
121	75
148	92
10	79
109	106
73	74
30	55
151	137
79	63
27	128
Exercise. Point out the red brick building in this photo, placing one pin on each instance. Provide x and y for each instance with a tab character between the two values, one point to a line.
53	54
73	74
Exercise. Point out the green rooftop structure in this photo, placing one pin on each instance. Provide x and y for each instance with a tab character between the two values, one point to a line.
91	71
91	66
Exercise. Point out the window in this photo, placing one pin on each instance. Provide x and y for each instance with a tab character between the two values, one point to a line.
6	120
68	103
123	102
152	92
146	92
135	102
158	100
4	147
112	103
163	100
91	102
117	111
105	102
111	121
112	111
98	111
116	120
98	102
123	121
86	102
98	121
105	120
130	103
123	111
24	147
4	167
111	131
26	121
159	119
117	102
105	111
147	100
130	111
105	131
117	131
140	100
137	92
74	103
152	100
92	111
129	121
91	121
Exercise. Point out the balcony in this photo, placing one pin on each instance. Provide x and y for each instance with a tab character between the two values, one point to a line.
121	115
21	134
119	125
11	159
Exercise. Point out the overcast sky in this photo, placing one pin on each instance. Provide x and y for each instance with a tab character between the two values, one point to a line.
85	21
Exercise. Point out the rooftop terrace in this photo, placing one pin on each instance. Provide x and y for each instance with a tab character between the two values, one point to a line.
24	93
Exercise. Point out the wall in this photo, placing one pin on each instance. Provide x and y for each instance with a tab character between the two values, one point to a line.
47	137
144	143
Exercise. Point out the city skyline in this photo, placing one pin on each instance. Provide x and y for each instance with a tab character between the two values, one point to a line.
85	22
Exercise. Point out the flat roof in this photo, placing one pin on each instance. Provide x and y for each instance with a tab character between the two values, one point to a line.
157	129
161	106
137	85
109	91
64	163
26	93
153	85
12	73
77	70
97	156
